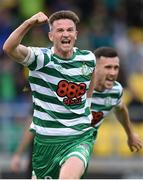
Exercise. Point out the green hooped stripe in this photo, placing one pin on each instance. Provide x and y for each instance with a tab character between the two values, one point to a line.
64	139
55	124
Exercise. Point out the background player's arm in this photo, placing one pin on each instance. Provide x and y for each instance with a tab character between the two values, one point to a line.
134	142
91	86
25	141
13	47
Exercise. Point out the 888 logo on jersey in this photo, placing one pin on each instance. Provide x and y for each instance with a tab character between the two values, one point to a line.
71	91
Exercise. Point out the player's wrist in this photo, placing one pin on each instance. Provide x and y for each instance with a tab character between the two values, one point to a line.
28	23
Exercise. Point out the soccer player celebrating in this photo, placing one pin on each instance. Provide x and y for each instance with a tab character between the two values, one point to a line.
59	77
107	94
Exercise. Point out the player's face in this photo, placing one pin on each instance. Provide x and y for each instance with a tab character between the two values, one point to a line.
63	35
107	70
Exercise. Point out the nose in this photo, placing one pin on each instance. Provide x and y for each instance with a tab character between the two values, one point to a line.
113	72
65	33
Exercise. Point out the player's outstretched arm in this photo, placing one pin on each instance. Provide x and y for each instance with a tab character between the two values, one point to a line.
12	46
134	142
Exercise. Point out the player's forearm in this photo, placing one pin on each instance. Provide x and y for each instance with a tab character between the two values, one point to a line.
26	140
12	46
123	117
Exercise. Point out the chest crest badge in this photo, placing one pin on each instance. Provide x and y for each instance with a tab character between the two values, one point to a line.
86	70
108	101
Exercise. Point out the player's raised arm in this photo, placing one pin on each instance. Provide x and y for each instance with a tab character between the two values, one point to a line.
12	46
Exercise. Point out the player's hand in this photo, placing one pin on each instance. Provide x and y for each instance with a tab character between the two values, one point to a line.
15	163
135	143
37	19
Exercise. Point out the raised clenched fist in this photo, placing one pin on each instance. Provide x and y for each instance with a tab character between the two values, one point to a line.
39	18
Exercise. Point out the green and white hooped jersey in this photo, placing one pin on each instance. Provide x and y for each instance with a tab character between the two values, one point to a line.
59	88
103	102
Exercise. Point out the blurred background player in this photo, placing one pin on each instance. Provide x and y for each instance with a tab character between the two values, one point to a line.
107	94
26	143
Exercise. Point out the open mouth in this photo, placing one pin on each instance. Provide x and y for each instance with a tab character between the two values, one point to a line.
110	81
65	41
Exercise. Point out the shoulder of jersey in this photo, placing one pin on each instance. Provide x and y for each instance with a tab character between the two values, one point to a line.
87	53
118	87
45	50
82	51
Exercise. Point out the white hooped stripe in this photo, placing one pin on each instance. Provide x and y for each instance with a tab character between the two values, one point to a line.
57	131
67	122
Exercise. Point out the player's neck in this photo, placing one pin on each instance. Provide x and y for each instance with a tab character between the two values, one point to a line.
98	87
64	54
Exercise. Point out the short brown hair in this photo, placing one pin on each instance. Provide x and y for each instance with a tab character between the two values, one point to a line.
64	14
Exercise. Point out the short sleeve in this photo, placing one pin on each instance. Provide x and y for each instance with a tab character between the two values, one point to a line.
36	58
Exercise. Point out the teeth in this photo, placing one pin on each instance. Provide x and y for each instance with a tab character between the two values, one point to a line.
110	79
65	41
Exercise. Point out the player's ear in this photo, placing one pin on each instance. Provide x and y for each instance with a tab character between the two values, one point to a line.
50	34
76	35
